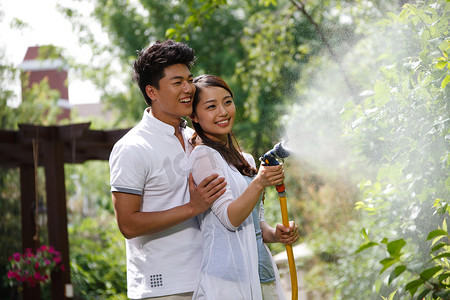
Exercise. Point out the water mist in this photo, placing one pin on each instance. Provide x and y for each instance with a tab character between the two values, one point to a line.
390	139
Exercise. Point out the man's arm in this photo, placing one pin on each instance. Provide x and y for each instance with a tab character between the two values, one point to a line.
132	222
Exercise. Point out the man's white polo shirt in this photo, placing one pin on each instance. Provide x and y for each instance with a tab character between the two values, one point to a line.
150	161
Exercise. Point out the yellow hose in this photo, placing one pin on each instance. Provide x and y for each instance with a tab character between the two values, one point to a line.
290	253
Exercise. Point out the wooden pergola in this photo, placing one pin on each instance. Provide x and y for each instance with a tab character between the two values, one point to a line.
51	147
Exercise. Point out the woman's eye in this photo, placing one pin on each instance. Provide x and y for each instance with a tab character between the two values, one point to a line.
210	106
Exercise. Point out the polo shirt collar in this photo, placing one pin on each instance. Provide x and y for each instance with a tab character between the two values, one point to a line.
159	125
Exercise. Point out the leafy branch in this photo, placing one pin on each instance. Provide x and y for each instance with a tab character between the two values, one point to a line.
301	7
435	279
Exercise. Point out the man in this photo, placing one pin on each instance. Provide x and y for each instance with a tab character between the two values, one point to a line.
155	199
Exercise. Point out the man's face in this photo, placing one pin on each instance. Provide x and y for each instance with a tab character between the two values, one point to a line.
173	99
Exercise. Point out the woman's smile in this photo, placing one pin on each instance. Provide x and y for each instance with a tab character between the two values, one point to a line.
215	113
223	122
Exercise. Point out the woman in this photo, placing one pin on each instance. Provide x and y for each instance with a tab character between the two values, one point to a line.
229	268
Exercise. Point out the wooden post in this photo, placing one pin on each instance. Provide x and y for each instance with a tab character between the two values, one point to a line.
28	210
56	209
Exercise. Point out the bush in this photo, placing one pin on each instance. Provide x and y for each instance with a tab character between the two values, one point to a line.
97	257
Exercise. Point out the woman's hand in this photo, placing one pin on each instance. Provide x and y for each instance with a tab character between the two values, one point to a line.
286	235
270	175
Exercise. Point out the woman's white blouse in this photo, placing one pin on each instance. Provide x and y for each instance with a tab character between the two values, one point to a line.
229	268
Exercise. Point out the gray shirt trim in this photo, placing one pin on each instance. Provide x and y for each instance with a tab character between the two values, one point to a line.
126	190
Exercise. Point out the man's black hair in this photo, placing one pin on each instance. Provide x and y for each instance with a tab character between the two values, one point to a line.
148	68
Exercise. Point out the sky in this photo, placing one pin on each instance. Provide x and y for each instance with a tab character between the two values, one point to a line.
45	26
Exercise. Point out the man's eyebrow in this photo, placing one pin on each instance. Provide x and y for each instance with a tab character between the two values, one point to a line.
181	77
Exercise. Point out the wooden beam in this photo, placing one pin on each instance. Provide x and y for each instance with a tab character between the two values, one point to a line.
56	209
80	143
61	133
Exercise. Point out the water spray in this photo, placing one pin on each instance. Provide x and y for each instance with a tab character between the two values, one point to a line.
271	158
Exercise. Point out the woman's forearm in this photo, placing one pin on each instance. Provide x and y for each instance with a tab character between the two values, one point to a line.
268	232
240	208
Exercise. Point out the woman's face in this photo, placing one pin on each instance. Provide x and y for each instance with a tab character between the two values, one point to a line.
215	112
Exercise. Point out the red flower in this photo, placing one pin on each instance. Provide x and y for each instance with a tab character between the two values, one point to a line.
34	268
16	256
38	276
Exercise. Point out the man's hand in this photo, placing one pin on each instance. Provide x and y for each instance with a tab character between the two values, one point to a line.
286	235
204	194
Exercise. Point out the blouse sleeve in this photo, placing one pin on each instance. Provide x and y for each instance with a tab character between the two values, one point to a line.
205	161
249	158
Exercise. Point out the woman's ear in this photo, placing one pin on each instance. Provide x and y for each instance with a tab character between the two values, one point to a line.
151	92
193	118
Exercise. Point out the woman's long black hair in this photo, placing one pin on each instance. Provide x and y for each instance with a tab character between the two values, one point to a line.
231	151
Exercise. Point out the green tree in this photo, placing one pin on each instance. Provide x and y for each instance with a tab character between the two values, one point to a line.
403	129
256	71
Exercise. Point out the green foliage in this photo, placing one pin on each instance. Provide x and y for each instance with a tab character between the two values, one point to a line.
404	128
9	225
252	65
7	74
88	189
433	278
44	103
198	13
97	258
